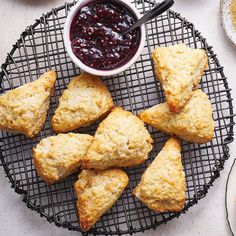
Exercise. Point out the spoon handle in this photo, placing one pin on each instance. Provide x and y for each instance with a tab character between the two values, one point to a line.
156	11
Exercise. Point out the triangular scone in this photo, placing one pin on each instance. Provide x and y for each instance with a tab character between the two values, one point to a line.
24	109
84	101
194	123
163	184
121	140
96	193
179	69
57	157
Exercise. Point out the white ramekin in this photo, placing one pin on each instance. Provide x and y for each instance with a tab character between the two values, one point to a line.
78	62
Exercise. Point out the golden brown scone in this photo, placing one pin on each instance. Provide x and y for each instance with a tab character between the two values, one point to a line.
179	69
84	101
24	109
194	123
57	157
97	192
163	184
121	140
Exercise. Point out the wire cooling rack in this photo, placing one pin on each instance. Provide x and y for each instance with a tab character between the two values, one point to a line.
41	48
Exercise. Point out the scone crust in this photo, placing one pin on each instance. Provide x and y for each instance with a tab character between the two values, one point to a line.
163	185
57	157
97	192
84	101
179	69
194	123
24	109
121	140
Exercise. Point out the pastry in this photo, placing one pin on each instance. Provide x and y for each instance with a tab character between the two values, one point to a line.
57	157
121	140
232	10
179	69
84	101
163	185
96	193
24	109
194	123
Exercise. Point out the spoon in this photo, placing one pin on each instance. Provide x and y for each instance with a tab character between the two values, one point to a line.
156	11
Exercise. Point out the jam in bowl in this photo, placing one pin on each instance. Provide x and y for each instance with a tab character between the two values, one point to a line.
94	40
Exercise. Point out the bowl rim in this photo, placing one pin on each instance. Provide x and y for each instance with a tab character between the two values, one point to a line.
229	32
79	63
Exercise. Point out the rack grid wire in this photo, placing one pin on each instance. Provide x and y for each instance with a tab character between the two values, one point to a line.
41	48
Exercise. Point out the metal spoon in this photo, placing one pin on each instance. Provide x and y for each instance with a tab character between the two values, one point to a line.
156	11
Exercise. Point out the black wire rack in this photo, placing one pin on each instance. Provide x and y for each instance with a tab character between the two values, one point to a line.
41	48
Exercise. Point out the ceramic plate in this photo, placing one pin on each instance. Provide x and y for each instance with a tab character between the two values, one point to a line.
231	198
226	21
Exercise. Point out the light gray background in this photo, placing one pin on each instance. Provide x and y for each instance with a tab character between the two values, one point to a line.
208	217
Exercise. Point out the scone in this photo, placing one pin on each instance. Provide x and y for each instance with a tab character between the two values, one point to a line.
96	193
163	185
57	157
179	69
24	109
121	140
84	101
194	123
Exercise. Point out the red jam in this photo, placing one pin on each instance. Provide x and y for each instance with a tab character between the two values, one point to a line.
96	37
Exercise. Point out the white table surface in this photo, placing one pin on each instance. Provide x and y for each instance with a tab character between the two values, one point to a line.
208	216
